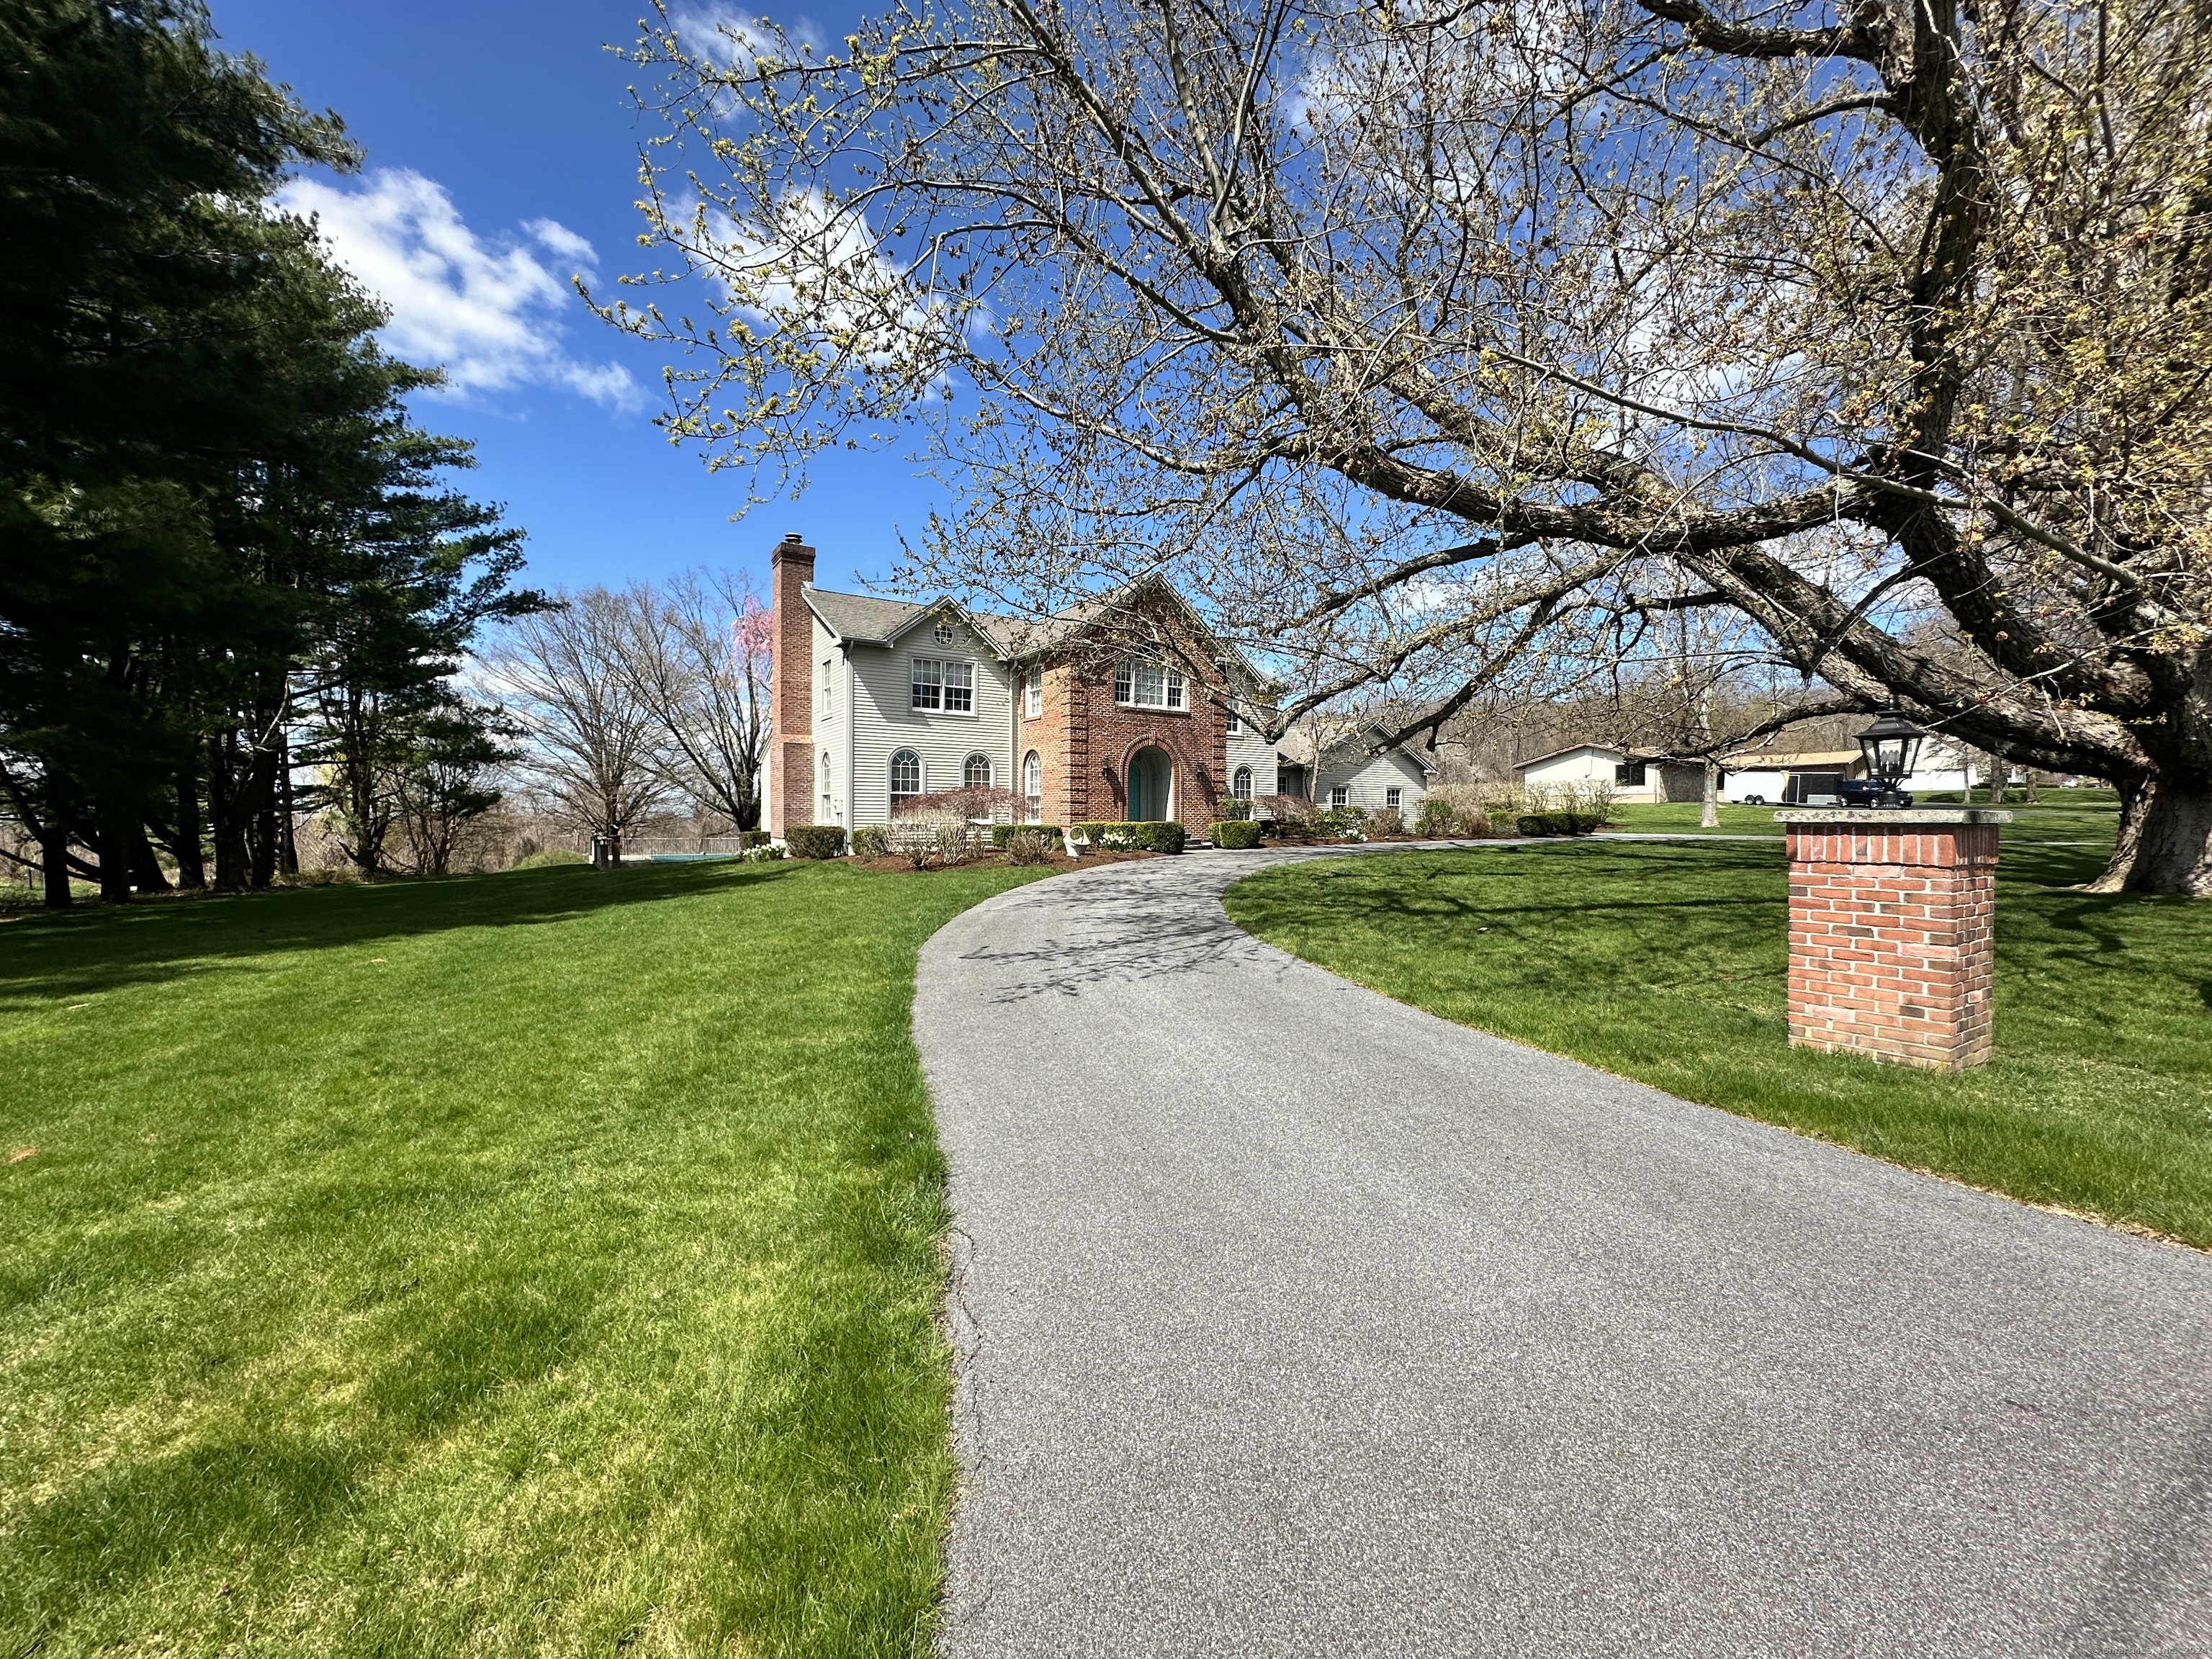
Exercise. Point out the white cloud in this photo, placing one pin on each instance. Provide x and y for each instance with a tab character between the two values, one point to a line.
487	311
731	39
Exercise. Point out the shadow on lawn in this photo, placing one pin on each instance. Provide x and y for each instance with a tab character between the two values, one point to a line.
80	953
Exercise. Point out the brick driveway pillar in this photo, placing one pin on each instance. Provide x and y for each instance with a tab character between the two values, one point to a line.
1892	917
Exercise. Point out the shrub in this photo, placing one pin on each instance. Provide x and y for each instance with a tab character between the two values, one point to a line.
1345	823
871	840
1237	833
1385	821
1028	844
749	839
1437	819
954	843
1001	834
1291	819
551	855
1167	837
815	841
1558	821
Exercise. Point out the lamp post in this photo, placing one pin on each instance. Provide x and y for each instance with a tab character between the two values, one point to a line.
1891	746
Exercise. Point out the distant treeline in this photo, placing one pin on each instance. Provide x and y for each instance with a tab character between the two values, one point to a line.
228	559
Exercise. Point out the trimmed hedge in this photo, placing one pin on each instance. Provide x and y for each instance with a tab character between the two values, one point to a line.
1559	821
1152	837
1237	833
815	841
1000	833
749	839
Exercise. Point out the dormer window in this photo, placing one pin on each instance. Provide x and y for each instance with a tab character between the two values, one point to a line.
1148	685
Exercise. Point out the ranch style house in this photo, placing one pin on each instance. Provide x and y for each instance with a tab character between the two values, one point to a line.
875	702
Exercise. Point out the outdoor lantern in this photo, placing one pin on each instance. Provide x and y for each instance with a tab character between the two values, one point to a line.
1891	746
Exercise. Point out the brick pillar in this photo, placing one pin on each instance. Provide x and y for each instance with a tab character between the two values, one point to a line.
790	767
1891	931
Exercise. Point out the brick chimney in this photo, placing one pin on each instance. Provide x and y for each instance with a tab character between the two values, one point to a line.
790	758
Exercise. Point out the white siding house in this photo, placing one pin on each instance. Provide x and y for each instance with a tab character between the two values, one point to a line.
1394	779
1635	776
1252	764
932	695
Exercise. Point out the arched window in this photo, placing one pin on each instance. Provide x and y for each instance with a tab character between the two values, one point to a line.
1033	787
822	816
975	772
1241	785
906	777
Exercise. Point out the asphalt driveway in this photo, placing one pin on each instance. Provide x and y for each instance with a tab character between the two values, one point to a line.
1294	1320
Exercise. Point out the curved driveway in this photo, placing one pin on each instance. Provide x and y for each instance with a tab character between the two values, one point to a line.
1293	1320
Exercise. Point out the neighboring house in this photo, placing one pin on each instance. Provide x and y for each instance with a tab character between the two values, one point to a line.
1808	777
1635	776
876	701
1360	768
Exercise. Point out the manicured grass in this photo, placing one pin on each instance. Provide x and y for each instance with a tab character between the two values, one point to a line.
2060	815
538	1263
1665	962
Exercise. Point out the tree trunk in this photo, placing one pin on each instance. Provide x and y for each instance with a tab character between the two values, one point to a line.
2165	843
145	869
117	832
191	862
288	848
225	816
264	796
53	853
1710	818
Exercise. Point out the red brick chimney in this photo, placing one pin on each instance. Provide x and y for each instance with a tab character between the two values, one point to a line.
790	758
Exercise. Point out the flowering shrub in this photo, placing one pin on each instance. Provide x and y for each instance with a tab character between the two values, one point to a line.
1148	838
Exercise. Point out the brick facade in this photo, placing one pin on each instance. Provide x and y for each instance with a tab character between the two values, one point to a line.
1891	933
791	687
1085	741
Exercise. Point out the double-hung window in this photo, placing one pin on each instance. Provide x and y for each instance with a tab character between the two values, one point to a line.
1148	685
1340	795
940	685
1236	724
1033	691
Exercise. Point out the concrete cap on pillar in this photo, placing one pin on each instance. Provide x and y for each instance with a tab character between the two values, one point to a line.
1894	815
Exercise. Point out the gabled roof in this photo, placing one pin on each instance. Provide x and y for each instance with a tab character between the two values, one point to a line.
862	616
867	620
1615	750
1655	756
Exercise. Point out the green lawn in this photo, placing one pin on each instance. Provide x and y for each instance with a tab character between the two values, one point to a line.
538	1263
1664	961
2062	815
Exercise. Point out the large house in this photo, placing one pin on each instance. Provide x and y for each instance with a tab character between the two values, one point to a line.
1128	708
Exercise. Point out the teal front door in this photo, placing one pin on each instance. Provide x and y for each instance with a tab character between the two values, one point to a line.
1151	786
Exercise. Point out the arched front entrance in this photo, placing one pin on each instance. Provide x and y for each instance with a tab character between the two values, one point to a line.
1151	786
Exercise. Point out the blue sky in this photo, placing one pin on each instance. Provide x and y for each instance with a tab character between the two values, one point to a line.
502	156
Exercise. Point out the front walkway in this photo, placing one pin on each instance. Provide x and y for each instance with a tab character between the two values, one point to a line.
1292	1321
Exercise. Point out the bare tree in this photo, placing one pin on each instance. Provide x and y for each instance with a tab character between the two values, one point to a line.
694	654
1425	342
591	745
